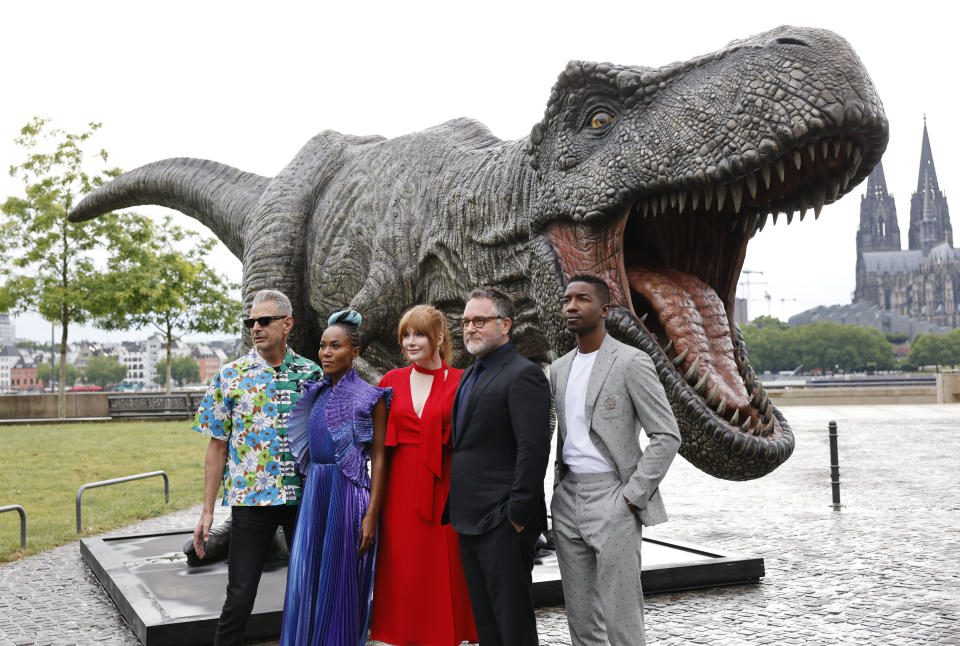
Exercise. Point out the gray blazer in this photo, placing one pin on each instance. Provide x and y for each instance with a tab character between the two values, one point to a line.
624	396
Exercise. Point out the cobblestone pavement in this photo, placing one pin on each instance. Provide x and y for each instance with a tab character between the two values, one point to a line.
883	570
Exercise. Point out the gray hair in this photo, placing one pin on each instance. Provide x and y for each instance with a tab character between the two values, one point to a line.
283	303
502	303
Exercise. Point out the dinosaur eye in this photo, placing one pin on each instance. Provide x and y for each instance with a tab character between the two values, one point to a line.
600	118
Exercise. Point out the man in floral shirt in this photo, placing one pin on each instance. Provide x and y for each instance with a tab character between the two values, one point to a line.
245	413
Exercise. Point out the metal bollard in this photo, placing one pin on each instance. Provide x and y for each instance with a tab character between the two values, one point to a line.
834	464
23	522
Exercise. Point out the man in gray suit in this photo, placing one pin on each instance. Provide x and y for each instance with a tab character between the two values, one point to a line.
606	487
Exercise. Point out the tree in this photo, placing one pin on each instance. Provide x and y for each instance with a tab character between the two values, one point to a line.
771	322
104	371
72	374
824	345
183	370
163	281
48	263
935	349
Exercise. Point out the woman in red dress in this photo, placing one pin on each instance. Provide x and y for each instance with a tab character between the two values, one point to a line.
419	592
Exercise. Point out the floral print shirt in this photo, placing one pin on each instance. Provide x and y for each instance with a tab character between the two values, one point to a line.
248	404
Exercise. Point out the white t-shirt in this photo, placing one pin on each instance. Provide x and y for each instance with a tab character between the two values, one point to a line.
579	452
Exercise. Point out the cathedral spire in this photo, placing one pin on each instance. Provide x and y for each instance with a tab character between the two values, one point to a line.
929	214
927	180
876	183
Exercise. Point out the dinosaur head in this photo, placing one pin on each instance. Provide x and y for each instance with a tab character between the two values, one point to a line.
657	179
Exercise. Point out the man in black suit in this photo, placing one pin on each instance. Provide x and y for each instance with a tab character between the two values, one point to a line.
501	444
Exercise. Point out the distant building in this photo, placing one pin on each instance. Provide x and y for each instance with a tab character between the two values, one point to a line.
23	375
868	315
9	356
209	360
18	369
133	355
741	316
922	282
8	331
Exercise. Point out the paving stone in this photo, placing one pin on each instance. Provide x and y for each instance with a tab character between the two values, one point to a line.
885	569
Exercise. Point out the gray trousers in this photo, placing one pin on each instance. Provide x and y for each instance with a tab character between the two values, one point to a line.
598	548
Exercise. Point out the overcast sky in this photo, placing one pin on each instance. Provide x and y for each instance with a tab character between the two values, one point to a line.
248	83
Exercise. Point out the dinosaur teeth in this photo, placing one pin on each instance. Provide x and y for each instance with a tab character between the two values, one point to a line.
836	149
774	217
849	148
845	181
644	317
680	357
781	169
707	197
833	189
722	407
818	200
721	196
667	347
752	185
812	152
673	199
789	216
694	199
663	203
712	396
765	173
736	193
761	221
768	429
681	200
701	385
745	427
735	417
824	148
797	159
692	372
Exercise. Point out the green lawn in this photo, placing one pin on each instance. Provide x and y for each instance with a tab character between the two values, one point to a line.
49	463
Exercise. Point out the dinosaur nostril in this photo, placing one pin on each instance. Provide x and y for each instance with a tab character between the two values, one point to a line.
790	41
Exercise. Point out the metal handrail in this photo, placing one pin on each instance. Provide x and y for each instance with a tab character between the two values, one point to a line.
23	522
103	483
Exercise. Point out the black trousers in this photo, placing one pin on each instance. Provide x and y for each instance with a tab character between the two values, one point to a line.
250	538
498	566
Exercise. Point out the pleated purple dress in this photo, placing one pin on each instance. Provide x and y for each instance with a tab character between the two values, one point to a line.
329	584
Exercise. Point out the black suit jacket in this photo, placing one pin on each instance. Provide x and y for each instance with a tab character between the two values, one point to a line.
500	454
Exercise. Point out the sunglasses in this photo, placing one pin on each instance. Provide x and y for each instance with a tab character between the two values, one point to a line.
264	321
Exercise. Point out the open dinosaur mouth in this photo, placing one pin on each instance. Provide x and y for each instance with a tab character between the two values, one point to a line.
673	258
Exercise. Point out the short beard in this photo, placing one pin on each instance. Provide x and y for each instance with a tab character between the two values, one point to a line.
486	345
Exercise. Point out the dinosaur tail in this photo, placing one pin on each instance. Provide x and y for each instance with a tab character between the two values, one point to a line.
218	196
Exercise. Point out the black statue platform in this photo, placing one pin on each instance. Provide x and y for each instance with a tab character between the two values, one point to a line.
166	602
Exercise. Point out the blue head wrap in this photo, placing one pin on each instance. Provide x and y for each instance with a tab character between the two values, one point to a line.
345	316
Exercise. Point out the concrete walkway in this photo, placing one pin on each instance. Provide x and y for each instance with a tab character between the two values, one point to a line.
883	570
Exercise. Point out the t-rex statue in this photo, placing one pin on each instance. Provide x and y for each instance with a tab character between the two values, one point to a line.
653	178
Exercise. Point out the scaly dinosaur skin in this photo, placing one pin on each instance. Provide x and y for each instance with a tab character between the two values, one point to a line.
655	179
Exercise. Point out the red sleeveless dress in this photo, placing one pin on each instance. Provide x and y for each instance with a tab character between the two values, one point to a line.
419	593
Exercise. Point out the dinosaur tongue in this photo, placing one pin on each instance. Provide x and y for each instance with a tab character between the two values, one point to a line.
694	318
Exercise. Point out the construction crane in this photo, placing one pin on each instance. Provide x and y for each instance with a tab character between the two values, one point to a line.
783	309
747	282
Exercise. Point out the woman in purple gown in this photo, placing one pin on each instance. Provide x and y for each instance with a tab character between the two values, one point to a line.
336	427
